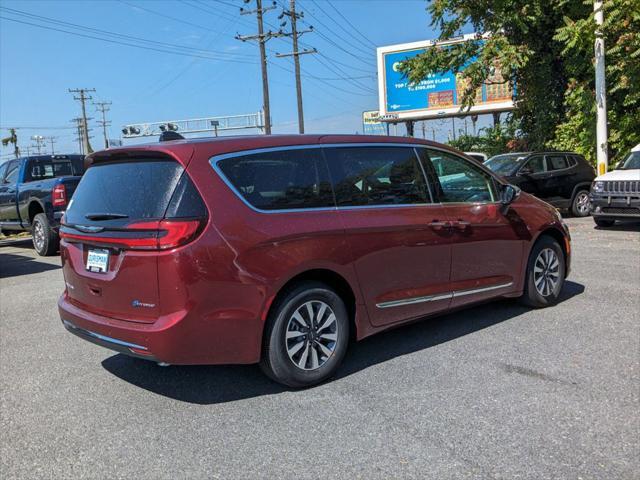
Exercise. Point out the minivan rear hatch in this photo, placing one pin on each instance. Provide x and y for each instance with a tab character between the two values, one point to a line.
125	213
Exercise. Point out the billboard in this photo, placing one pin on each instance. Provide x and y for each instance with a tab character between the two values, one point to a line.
371	124
438	95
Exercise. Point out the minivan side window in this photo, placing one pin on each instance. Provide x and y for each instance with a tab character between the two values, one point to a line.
280	180
375	175
460	180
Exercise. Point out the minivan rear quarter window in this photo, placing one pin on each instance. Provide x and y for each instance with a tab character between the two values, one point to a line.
376	176
280	180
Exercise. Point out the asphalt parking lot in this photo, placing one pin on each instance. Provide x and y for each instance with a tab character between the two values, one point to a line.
496	391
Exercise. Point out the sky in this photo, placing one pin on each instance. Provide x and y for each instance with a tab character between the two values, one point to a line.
209	74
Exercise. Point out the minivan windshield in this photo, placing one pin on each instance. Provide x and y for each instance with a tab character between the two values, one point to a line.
632	162
119	192
505	164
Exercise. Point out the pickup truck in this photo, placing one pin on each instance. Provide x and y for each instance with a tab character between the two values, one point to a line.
34	194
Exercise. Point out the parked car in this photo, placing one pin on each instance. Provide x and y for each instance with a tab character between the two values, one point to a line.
479	156
34	193
562	179
279	249
616	194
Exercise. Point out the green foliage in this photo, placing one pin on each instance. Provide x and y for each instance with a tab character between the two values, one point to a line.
491	140
546	47
621	33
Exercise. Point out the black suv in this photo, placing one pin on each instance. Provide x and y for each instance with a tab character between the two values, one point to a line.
562	179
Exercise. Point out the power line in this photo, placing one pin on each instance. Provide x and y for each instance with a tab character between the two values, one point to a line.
113	34
351	25
164	15
347	42
117	42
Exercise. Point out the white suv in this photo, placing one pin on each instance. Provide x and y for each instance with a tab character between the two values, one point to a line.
616	194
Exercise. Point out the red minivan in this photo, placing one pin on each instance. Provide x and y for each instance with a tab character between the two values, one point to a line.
280	249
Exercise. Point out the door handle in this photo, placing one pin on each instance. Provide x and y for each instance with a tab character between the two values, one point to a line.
461	225
438	225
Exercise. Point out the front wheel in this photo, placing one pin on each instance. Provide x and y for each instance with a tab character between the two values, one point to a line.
581	204
545	274
306	336
45	239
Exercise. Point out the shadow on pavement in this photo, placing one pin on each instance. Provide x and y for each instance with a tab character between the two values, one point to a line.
622	226
14	265
218	384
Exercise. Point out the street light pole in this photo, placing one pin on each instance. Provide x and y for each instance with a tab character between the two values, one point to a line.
602	153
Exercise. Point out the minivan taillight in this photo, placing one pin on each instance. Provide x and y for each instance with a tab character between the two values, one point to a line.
59	195
153	235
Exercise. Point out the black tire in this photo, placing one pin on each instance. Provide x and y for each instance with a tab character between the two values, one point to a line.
604	222
45	239
534	296
578	206
276	361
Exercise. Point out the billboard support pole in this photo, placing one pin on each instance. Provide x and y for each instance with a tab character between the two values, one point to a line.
410	124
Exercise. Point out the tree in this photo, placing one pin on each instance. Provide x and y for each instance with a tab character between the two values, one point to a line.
621	31
541	45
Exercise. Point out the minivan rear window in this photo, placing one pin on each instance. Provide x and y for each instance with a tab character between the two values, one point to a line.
134	190
280	180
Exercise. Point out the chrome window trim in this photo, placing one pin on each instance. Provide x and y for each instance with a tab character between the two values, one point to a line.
441	296
213	161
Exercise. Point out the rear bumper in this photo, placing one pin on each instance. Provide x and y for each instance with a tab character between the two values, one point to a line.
181	338
120	346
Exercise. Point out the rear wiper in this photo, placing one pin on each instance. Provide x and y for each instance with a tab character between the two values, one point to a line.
104	216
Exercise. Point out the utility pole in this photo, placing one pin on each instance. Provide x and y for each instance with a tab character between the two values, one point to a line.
78	122
103	107
602	153
262	38
39	139
295	34
85	126
52	140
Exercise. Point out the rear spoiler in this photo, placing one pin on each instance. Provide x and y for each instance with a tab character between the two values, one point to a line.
182	153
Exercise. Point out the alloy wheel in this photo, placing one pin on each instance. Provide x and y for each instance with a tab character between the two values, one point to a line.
582	203
311	335
38	235
546	272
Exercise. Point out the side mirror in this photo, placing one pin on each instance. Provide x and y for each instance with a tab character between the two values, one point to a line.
526	170
509	194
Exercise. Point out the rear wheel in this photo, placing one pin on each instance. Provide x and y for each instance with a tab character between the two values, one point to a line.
604	222
581	205
45	240
545	274
306	336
